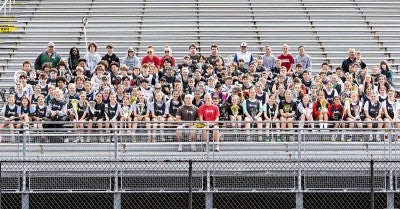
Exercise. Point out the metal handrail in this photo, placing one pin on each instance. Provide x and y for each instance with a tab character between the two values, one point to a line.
4	6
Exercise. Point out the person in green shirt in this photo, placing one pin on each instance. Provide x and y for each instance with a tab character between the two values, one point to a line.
50	55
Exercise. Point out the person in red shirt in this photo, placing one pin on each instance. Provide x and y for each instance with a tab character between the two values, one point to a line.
167	55
336	112
210	113
151	58
286	59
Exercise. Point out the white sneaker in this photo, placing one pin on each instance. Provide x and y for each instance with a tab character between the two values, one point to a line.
371	138
260	138
342	138
350	138
193	147
216	148
248	138
66	140
378	138
333	137
180	147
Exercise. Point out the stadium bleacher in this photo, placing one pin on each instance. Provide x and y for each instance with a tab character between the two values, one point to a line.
326	28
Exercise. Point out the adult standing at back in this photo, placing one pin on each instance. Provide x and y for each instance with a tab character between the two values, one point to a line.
303	59
131	60
212	59
50	55
244	54
92	57
351	60
110	57
286	59
151	58
167	55
268	58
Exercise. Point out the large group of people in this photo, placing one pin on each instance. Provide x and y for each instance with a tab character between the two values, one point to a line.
256	93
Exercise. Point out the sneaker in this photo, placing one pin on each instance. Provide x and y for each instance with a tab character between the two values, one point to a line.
378	138
342	138
248	138
216	148
291	138
371	138
12	139
268	139
66	140
360	138
88	139
333	137
162	139
180	147
278	138
133	139
193	147
260	138
349	138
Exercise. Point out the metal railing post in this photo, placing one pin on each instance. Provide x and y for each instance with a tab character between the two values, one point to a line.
1	185
190	184
207	141
371	181
299	192
115	143
117	192
24	140
209	194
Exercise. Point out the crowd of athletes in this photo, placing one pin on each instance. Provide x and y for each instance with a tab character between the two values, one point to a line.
240	91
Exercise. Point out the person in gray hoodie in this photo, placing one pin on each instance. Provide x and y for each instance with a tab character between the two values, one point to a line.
131	60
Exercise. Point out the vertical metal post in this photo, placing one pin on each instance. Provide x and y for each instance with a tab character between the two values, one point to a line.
209	195
390	192
207	141
115	143
25	194
372	184
1	185
24	132
299	141
190	184
117	193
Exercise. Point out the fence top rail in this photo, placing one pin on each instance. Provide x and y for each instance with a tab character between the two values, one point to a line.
199	161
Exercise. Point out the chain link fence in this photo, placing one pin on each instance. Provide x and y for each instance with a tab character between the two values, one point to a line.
200	184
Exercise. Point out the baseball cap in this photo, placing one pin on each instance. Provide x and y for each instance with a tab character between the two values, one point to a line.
51	44
243	44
